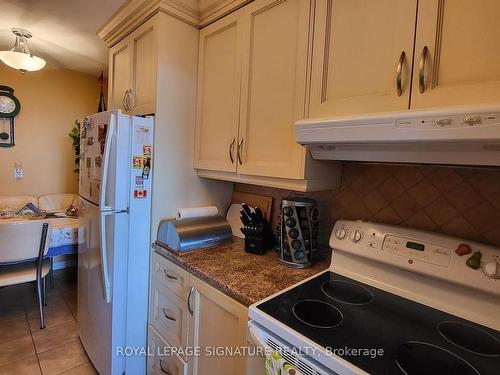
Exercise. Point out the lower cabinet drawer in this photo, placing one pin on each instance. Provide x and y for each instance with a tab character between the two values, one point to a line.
168	314
170	275
161	360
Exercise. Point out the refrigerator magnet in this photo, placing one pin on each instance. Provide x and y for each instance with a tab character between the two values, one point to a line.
146	150
139	194
101	133
139	181
137	162
146	168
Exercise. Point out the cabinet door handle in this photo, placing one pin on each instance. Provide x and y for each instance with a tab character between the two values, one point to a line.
168	316
162	369
124	101
231	149
172	277
399	72
239	151
421	70
130	100
191	290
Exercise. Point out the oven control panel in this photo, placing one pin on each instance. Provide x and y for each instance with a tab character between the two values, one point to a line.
457	260
417	249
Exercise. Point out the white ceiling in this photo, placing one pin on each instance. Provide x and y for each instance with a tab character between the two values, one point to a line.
64	31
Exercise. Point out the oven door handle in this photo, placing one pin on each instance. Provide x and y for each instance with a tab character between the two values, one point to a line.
256	339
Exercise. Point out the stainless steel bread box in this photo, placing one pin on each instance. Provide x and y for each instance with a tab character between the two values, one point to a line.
193	234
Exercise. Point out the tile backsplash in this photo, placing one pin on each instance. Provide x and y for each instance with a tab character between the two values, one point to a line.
463	202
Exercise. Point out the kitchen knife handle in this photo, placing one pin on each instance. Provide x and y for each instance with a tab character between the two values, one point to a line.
239	150
231	149
191	290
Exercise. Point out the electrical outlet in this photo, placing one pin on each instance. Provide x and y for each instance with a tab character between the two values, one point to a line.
18	171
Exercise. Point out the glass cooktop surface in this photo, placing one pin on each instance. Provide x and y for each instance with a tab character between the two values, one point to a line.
382	333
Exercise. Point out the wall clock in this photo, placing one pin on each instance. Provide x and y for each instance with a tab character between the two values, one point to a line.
9	108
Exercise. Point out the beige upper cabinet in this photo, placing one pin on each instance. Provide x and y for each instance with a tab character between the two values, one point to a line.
252	87
218	95
274	88
144	64
218	321
132	71
362	57
462	62
119	75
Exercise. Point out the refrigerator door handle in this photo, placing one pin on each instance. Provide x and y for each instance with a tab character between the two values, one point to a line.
104	257
107	153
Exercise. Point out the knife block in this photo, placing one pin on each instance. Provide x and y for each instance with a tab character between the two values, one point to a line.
259	244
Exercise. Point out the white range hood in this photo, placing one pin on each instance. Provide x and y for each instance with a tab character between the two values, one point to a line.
453	136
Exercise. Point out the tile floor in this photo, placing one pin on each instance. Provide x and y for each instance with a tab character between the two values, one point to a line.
24	347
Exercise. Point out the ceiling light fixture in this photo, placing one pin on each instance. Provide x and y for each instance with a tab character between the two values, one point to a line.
20	57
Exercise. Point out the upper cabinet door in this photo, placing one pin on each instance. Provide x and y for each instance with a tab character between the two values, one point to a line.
362	59
274	88
120	60
461	64
218	95
143	42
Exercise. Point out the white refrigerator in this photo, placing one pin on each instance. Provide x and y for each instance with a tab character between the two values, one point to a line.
114	234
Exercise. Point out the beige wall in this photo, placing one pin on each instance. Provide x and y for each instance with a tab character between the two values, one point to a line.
51	100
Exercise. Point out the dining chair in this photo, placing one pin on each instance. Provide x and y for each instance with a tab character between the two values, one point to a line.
23	246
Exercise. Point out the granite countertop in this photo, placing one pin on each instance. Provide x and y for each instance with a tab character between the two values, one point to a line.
247	278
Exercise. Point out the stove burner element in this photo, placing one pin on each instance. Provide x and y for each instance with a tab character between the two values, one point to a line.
317	313
414	357
470	338
347	292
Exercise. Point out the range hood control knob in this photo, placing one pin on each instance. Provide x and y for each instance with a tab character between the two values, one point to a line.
472	120
356	236
340	233
492	270
444	122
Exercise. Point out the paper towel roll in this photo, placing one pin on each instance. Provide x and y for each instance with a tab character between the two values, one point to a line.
186	213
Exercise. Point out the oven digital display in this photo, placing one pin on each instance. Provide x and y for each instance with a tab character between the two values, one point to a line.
415	246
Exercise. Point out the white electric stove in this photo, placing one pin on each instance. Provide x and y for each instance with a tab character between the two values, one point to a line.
394	301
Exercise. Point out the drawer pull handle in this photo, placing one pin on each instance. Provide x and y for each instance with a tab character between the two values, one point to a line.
172	277
162	369
191	290
168	316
